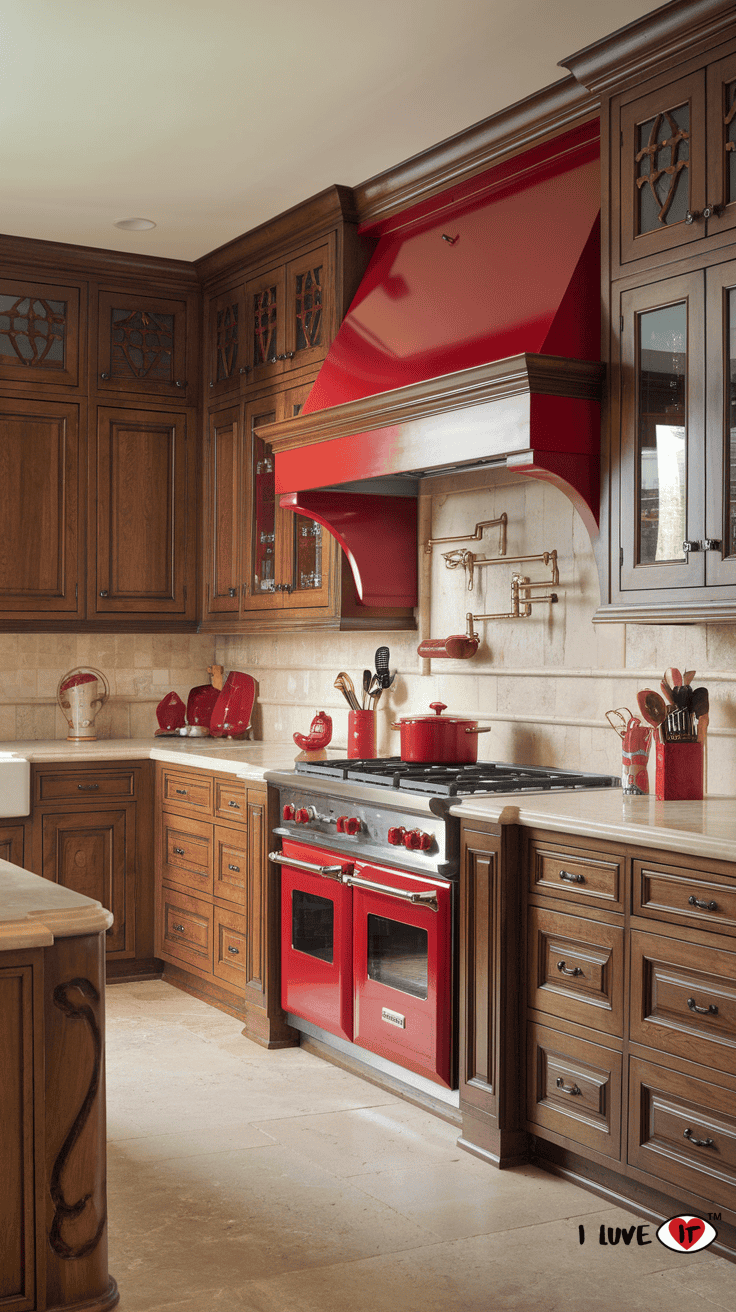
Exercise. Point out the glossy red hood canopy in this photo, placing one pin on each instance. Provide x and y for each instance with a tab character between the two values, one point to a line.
520	273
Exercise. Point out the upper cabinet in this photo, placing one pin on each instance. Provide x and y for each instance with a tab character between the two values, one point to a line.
675	184
143	346
39	333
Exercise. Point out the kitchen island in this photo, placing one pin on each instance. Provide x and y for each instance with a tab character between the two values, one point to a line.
53	1206
598	995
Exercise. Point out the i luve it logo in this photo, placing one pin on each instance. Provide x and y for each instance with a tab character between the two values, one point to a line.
686	1234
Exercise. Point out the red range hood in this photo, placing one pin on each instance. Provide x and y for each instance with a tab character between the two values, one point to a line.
474	339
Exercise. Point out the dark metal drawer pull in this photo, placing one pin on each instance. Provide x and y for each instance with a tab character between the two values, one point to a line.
571	878
699	1143
181	791
704	906
179	850
87	788
179	927
235	868
235	804
568	1088
235	951
712	1010
565	970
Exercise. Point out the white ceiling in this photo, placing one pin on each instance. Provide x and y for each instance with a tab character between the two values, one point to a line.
211	117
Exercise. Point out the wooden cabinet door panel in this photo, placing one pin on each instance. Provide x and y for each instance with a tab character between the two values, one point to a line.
721	127
141	344
574	875
17	1197
576	969
229	948
683	999
663	167
265	326
186	791
185	930
70	786
39	333
683	1130
264	586
186	856
93	852
720	324
230	864
310	306
230	800
574	1089
12	844
140	516
223	513
673	893
225	342
41	538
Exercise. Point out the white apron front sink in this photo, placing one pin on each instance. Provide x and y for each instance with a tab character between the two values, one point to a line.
15	785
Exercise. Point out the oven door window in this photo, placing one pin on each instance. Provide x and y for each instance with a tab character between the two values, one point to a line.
398	955
312	925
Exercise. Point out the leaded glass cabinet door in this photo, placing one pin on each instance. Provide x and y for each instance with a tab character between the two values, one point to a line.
264	587
720	534
662	443
225	342
307	549
142	345
264	325
310	307
722	145
39	333
662	162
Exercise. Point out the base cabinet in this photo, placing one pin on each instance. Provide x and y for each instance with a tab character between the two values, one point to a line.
619	966
216	903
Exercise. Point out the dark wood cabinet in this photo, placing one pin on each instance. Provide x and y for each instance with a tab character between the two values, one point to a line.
41	529
12	843
40	333
143	345
142	516
91	830
217	905
225	341
291	314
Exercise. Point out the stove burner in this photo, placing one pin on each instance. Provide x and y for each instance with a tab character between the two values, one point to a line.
456	780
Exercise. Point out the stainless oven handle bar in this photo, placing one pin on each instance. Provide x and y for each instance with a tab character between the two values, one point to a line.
428	900
338	873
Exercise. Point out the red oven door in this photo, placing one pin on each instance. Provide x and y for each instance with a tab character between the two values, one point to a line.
402	967
316	938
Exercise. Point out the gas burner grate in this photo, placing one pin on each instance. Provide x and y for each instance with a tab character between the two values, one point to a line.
456	780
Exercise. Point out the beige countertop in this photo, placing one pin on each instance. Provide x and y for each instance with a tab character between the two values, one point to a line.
247	760
35	911
705	829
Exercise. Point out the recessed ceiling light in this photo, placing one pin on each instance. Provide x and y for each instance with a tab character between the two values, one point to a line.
134	225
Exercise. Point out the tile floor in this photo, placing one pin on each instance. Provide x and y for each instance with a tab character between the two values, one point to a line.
252	1181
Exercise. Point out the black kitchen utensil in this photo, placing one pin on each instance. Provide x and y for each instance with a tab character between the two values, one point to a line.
382	658
367	680
699	704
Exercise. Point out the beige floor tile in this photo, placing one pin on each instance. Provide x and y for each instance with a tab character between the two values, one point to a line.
184	1142
458	1201
369	1138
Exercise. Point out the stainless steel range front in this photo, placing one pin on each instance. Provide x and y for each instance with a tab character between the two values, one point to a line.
370	864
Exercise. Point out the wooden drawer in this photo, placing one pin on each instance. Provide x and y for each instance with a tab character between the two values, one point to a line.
229	948
68	786
186	791
229	800
683	1130
186	929
574	1090
230	865
691	897
683	999
576	969
577	875
187	853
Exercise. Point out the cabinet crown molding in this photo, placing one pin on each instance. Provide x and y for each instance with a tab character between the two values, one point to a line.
643	47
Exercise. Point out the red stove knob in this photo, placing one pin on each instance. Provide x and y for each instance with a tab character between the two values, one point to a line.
301	816
396	835
415	839
352	824
288	813
340	824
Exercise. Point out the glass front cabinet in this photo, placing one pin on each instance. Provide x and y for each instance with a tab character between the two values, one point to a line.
677	510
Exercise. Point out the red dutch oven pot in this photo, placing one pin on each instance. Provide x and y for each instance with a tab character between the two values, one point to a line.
439	739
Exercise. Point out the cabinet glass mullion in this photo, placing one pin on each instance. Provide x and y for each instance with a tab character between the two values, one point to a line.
662	440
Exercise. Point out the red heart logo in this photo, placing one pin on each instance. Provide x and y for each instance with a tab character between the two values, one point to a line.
686	1231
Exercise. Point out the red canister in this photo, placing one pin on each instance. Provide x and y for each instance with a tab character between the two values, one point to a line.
439	739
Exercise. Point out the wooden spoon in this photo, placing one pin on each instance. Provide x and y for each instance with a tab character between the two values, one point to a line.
652	706
673	677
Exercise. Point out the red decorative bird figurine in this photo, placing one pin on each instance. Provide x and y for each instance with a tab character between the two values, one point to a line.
319	736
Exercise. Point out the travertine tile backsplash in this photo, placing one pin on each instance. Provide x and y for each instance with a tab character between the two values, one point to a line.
542	684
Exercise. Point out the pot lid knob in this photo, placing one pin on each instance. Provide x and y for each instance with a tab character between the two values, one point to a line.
437	707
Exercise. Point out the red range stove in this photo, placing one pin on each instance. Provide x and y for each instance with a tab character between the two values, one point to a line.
369	868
